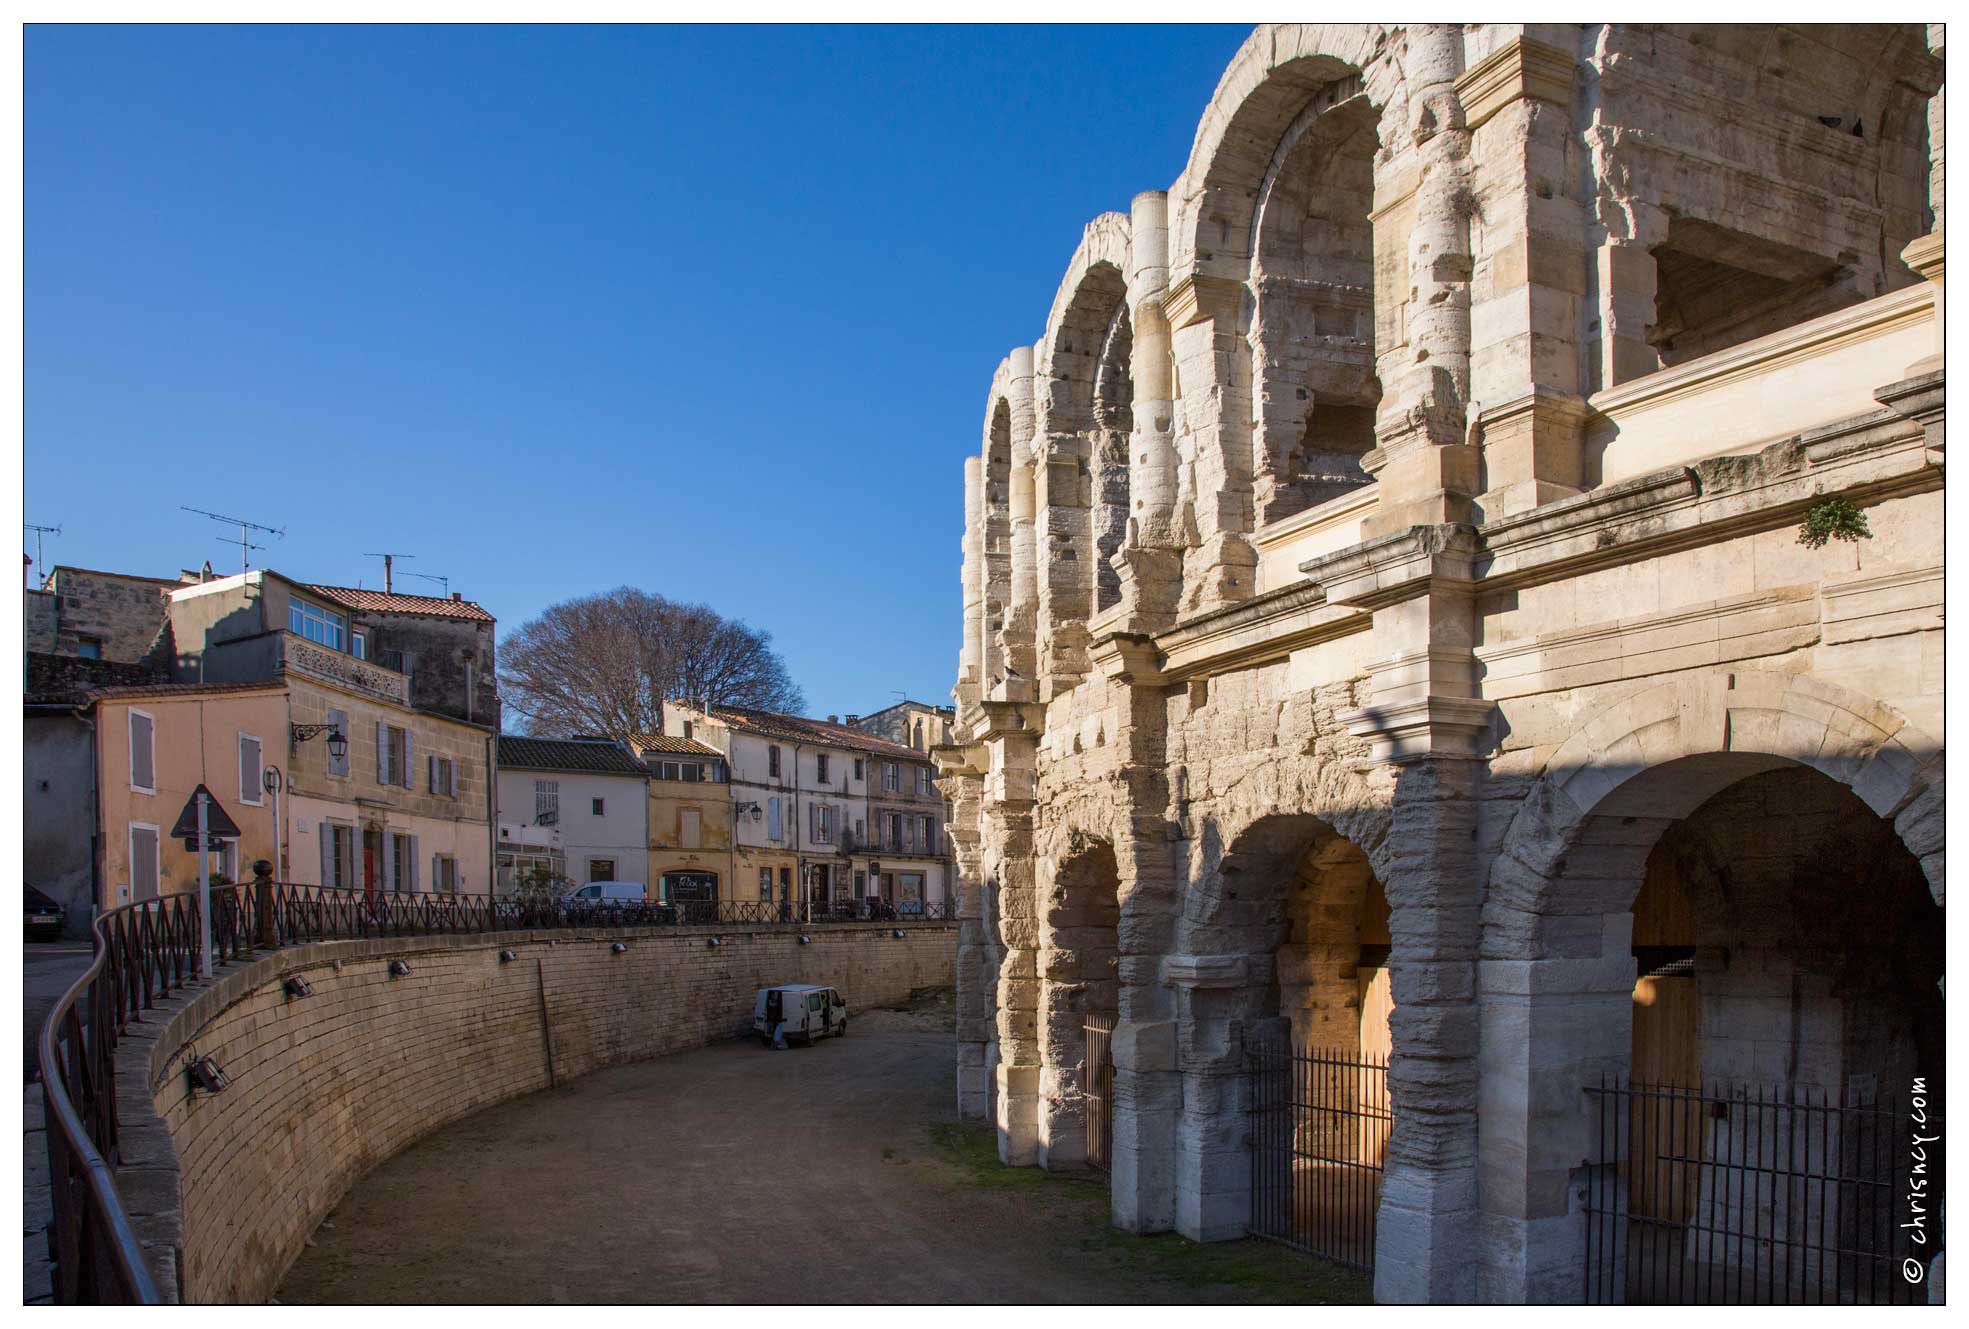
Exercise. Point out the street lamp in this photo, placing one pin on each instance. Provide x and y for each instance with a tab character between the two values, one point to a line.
338	742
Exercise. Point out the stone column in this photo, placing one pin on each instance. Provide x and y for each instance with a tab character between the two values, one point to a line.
1011	736
1924	254
1423	459
961	780
1018	638
1149	562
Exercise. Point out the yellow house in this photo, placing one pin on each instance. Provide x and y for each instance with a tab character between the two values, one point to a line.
690	820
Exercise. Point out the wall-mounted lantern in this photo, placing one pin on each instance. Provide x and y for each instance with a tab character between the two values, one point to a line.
297	987
338	742
401	968
207	1076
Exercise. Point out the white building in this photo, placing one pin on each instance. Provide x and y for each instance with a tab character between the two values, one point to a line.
576	806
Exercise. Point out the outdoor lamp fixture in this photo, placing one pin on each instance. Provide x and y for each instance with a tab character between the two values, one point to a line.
742	808
806	940
618	948
205	1075
296	986
717	941
508	956
400	969
896	933
338	742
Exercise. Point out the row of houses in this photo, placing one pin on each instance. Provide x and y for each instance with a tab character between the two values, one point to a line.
352	738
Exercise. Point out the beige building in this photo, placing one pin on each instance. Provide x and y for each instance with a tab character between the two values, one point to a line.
1398	613
691	840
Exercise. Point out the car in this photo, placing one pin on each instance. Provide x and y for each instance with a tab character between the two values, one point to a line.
804	1010
45	916
608	895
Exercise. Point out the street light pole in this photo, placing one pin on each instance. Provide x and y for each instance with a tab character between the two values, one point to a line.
204	891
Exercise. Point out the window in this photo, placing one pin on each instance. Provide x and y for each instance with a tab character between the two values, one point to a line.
402	862
772	760
823	823
249	770
546	802
690	729
89	648
359	644
338	855
315	623
861	885
785	880
765	883
693	772
858	774
820	767
339	765
144	866
143	752
444	874
916	734
892	830
601	869
444	776
891	777
861	831
922	779
690	828
596	805
925	829
393	755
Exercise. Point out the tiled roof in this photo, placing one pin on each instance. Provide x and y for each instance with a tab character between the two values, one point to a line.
436	606
799	729
166	690
666	743
67	680
593	756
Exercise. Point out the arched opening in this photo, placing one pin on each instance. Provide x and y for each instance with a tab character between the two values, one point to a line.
1079	952
1314	332
1114	420
1746	1100
1090	416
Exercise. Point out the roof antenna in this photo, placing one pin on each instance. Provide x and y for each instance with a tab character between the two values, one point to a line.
40	531
443	582
244	526
388	562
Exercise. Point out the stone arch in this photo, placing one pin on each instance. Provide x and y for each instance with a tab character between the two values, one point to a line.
1268	82
1557	967
1079	916
994	522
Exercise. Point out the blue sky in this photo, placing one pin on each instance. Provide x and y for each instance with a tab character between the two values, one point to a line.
707	311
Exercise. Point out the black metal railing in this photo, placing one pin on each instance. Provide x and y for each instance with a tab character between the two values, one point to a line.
1099	1091
1320	1122
1754	1195
146	951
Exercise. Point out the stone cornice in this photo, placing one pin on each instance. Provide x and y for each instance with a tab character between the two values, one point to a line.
1268	627
1204	971
1397	567
1196	298
1522	69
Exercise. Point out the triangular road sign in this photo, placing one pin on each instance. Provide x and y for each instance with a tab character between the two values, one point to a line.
218	825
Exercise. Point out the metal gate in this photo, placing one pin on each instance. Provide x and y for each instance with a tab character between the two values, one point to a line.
1099	1091
1742	1195
1320	1122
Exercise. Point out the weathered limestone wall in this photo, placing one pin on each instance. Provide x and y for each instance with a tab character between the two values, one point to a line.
225	1188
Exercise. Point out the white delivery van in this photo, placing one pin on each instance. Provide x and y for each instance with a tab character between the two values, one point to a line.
608	895
806	1011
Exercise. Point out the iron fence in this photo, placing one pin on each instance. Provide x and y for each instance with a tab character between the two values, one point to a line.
146	951
1099	1091
1748	1195
1319	1127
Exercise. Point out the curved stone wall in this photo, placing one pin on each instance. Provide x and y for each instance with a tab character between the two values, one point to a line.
225	1188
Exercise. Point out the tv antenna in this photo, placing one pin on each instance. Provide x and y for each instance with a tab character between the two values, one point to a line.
39	532
244	543
443	581
389	561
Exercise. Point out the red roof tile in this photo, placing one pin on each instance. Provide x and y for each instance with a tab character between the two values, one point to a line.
437	606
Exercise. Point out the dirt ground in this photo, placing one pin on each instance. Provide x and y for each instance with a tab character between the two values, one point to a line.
836	1173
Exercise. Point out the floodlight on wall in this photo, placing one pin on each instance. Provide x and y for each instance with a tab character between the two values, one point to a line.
717	941
401	969
296	987
508	956
206	1075
806	940
618	948
896	933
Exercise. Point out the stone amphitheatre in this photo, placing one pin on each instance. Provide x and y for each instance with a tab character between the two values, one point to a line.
1394	630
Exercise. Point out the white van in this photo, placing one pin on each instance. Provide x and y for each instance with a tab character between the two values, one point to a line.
608	895
798	1010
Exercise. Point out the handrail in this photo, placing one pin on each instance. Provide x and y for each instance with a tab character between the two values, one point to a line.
147	950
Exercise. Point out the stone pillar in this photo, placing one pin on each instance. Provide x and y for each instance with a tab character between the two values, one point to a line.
1150	566
961	780
1924	254
970	655
1529	278
1219	1014
1011	736
1215	514
1423	459
1064	545
1019	637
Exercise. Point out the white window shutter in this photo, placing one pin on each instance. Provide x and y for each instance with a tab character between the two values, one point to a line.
409	780
327	854
382	753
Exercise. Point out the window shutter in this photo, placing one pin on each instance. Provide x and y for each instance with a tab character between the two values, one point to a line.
409	780
431	771
413	863
327	854
437	874
142	773
382	753
389	861
451	778
772	819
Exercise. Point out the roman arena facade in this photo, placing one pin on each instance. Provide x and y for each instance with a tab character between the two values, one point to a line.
1387	628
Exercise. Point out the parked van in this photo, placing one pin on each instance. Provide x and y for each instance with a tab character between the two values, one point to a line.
807	1012
608	895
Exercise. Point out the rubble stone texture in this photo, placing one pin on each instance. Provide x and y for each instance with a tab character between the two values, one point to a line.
1406	498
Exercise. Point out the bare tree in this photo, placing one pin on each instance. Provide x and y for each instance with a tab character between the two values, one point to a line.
604	664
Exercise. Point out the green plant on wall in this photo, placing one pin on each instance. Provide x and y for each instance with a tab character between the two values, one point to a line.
1832	519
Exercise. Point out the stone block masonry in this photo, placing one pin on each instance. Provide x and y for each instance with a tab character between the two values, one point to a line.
225	1188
